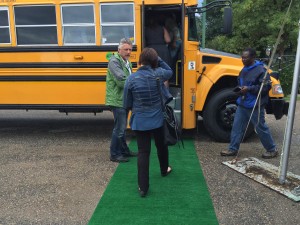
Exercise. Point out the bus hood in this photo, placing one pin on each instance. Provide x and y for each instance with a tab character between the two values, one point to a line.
215	52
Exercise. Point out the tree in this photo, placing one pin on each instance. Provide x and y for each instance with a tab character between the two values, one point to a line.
256	24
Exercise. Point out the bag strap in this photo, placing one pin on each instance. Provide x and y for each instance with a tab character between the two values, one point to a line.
160	94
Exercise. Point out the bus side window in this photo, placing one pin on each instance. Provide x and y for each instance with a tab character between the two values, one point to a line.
35	25
117	22
4	26
78	24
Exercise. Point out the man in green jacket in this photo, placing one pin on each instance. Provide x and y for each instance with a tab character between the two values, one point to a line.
119	68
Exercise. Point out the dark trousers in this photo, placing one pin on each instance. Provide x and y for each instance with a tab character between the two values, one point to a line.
144	148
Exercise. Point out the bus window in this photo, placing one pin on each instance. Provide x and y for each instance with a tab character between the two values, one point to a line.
78	24
36	25
4	26
117	21
193	35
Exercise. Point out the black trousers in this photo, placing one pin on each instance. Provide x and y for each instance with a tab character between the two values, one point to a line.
144	148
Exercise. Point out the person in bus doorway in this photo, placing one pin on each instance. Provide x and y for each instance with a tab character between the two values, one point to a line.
158	38
175	37
142	97
119	68
249	82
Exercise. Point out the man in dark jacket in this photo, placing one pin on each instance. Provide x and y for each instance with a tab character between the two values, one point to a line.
119	68
249	81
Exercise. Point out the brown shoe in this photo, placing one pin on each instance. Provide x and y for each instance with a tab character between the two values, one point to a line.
228	153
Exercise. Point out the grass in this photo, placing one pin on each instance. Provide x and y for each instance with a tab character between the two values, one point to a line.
181	198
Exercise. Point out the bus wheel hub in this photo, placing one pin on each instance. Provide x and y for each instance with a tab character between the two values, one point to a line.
227	115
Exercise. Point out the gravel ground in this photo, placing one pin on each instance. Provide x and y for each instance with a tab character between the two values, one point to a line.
54	169
240	200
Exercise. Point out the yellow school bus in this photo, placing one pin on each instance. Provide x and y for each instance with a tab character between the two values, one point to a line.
53	56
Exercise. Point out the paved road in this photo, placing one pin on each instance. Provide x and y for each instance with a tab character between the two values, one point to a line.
54	169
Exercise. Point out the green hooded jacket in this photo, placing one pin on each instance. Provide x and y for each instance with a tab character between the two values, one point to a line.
116	76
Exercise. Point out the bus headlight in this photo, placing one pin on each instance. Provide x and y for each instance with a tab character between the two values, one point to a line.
277	89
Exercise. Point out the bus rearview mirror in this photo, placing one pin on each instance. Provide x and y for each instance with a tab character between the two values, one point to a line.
227	29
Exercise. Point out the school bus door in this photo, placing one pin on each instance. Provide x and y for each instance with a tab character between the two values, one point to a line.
189	66
186	88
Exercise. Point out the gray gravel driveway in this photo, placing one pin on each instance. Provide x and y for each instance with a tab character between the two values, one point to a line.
54	169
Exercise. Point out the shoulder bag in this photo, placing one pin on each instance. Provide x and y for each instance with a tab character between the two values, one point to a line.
171	128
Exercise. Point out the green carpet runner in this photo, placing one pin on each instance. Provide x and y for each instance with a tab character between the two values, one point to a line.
182	198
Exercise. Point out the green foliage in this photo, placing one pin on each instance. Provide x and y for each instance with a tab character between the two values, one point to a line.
286	80
286	68
255	24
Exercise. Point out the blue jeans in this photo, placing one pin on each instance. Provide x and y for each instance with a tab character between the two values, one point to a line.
118	145
240	122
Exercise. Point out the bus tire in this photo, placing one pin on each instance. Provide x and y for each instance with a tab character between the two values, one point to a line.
219	114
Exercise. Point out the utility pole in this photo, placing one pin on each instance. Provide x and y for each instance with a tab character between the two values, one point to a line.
290	118
203	26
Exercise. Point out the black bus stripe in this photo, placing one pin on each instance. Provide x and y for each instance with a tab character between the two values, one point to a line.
57	65
53	78
107	48
61	108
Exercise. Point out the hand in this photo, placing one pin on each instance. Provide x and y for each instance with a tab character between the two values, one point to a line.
244	90
159	61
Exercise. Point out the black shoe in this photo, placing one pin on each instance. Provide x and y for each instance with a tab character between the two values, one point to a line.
130	154
228	153
169	170
142	193
119	159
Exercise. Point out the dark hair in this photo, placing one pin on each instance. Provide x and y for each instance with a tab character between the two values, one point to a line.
252	52
149	57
